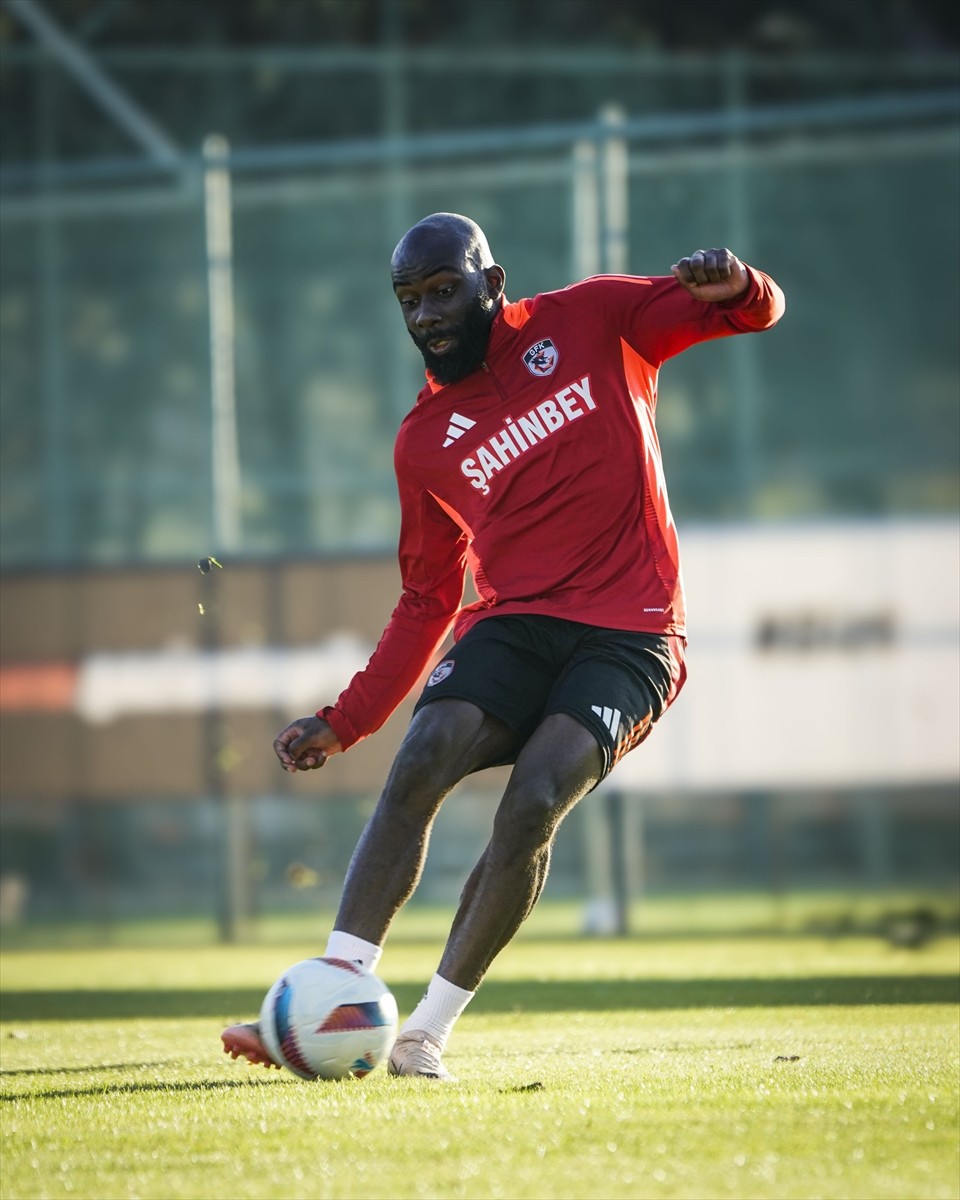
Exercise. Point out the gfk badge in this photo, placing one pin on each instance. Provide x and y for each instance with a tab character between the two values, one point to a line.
541	358
440	673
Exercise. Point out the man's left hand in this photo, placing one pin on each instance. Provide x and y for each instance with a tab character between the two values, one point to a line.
712	275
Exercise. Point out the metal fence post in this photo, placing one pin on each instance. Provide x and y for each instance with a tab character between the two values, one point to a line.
226	526
614	207
224	455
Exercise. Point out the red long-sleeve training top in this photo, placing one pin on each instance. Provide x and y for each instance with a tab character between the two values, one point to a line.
542	472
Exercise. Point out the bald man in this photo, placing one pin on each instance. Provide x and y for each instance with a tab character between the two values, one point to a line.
531	458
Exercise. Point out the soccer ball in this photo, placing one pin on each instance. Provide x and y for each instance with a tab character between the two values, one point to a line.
326	1018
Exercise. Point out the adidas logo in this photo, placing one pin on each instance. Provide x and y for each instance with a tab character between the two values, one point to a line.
609	716
457	428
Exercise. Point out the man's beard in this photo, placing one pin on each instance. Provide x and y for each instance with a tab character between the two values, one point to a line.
471	335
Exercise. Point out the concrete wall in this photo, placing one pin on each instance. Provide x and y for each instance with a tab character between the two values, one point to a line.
57	626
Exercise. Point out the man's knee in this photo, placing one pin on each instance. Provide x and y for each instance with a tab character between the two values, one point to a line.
533	806
529	817
558	766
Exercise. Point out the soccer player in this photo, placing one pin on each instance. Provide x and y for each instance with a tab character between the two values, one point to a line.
530	456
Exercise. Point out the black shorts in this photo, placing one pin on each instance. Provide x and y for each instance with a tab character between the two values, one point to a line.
521	669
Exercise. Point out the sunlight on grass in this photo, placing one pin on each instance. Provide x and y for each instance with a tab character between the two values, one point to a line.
840	913
750	1066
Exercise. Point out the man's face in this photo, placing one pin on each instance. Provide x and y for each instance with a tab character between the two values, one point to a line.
448	306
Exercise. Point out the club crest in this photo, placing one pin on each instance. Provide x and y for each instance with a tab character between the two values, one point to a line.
541	359
441	672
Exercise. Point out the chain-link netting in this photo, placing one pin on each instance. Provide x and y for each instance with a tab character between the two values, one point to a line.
849	407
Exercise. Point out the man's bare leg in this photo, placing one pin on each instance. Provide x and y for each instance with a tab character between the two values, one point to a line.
558	766
446	741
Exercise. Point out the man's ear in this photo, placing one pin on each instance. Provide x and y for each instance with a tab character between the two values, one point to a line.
496	277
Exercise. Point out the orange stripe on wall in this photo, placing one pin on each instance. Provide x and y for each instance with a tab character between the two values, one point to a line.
38	687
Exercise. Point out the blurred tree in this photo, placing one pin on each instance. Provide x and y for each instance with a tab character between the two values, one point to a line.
766	25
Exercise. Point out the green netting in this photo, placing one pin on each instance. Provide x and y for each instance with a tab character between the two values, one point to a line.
849	407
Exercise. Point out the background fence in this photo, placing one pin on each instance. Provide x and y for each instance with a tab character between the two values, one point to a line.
839	178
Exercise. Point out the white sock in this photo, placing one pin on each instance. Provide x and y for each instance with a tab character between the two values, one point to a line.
353	949
437	1012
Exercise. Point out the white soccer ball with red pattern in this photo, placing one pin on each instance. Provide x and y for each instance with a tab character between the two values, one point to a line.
326	1018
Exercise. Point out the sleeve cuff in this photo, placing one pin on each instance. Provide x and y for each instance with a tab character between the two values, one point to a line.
346	735
745	299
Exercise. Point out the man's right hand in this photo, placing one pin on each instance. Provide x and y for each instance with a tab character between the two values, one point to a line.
305	744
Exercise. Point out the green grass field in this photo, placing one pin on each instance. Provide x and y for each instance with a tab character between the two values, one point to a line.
674	1064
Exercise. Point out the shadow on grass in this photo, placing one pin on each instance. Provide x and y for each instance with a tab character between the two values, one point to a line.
231	1004
90	1069
133	1089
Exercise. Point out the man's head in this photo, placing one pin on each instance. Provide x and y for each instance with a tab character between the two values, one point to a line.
449	289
